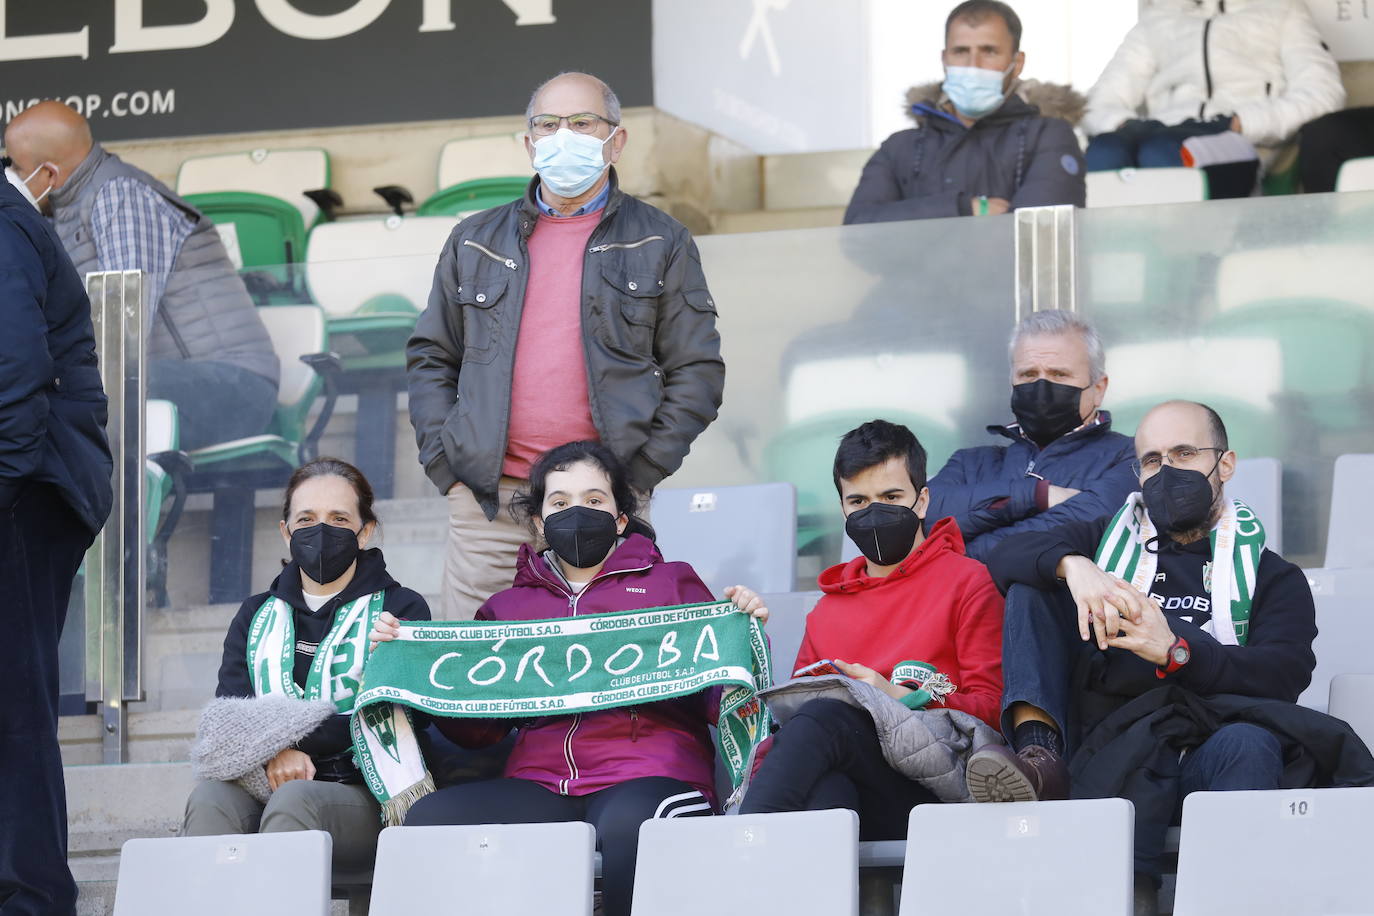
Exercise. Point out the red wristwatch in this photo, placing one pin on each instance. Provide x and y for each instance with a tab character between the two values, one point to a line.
1177	657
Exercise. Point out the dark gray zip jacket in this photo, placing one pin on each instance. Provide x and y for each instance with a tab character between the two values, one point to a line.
654	371
938	167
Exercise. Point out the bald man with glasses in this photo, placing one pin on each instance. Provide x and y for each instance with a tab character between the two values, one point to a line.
1159	650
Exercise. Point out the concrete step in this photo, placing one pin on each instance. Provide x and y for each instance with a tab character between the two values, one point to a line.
777	220
807	180
159	736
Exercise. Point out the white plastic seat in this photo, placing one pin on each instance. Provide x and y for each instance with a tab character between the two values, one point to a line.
1132	187
1199	366
1349	538
353	262
1317	271
494	156
1298	852
225	875
1024	857
502	868
1341	645
1352	700
882	382
283	173
744	535
1258	482
1356	175
799	862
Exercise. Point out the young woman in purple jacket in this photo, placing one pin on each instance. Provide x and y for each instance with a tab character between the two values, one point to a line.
613	768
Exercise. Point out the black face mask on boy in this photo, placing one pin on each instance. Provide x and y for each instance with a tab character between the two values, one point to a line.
884	532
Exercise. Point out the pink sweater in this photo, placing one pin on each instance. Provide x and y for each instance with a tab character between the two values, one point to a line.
549	404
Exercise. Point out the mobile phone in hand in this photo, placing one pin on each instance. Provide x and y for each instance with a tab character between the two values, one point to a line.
824	666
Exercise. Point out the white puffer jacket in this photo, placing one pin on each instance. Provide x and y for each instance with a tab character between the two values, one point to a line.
1261	60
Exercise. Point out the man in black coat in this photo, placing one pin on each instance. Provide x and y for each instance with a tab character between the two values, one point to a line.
55	492
980	146
1176	591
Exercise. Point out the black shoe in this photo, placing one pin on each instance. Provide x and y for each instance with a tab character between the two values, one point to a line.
995	774
1145	901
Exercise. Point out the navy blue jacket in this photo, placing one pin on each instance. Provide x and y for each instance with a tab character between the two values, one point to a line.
990	490
52	404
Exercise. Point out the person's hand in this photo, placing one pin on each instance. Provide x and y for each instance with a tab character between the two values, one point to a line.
385	629
289	764
998	206
747	600
1150	638
454	489
1060	494
871	678
1235	124
1101	598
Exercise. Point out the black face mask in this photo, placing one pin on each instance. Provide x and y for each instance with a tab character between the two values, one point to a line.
581	536
884	532
324	552
1178	500
1046	410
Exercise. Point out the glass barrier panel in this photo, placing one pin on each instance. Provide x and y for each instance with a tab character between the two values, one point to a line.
1263	309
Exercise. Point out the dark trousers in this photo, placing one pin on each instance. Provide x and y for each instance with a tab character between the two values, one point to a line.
216	402
1041	649
1154	145
1326	143
828	756
41	543
616	813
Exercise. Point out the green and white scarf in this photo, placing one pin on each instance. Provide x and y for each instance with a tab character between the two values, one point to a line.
565	666
336	673
1229	577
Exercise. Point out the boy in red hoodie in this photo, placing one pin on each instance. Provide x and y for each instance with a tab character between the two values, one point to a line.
912	596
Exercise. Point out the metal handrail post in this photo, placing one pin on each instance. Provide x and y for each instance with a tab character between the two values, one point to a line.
1046	245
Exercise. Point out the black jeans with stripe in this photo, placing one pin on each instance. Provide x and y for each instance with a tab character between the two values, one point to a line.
616	813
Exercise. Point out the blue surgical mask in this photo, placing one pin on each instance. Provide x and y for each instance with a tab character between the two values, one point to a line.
570	163
973	91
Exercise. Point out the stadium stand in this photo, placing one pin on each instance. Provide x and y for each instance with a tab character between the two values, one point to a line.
744	535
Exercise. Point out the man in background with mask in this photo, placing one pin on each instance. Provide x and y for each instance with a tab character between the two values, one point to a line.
1064	462
208	351
577	312
1166	627
912	617
981	145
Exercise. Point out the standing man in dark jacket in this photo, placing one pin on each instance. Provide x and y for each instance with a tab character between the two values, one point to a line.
1064	462
208	351
55	492
1175	590
978	148
576	312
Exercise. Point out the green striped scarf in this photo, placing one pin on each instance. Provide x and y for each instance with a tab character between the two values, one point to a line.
1237	542
336	673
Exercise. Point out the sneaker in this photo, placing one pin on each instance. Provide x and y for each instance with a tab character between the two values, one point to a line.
996	774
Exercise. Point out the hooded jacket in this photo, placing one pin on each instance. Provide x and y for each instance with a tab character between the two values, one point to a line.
937	168
329	746
52	403
937	606
990	490
654	373
1261	60
584	753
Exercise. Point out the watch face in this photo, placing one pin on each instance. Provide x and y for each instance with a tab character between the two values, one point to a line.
1180	655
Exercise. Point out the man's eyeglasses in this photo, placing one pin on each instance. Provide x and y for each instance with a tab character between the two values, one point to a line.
546	125
1178	456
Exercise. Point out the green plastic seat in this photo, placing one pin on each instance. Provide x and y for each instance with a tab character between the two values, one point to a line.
472	196
267	231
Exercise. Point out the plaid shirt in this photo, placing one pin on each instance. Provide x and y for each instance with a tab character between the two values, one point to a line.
136	228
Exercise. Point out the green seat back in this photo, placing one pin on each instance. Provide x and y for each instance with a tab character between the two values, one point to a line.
471	196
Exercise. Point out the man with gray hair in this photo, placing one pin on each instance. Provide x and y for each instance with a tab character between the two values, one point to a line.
576	312
1064	462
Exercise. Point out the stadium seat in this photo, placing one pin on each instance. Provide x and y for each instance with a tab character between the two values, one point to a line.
1258	482
1349	539
225	875
504	868
1341	645
1299	852
1131	187
785	628
1356	175
1352	700
479	172
164	489
744	535
1026	857
234	470
799	862
283	174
